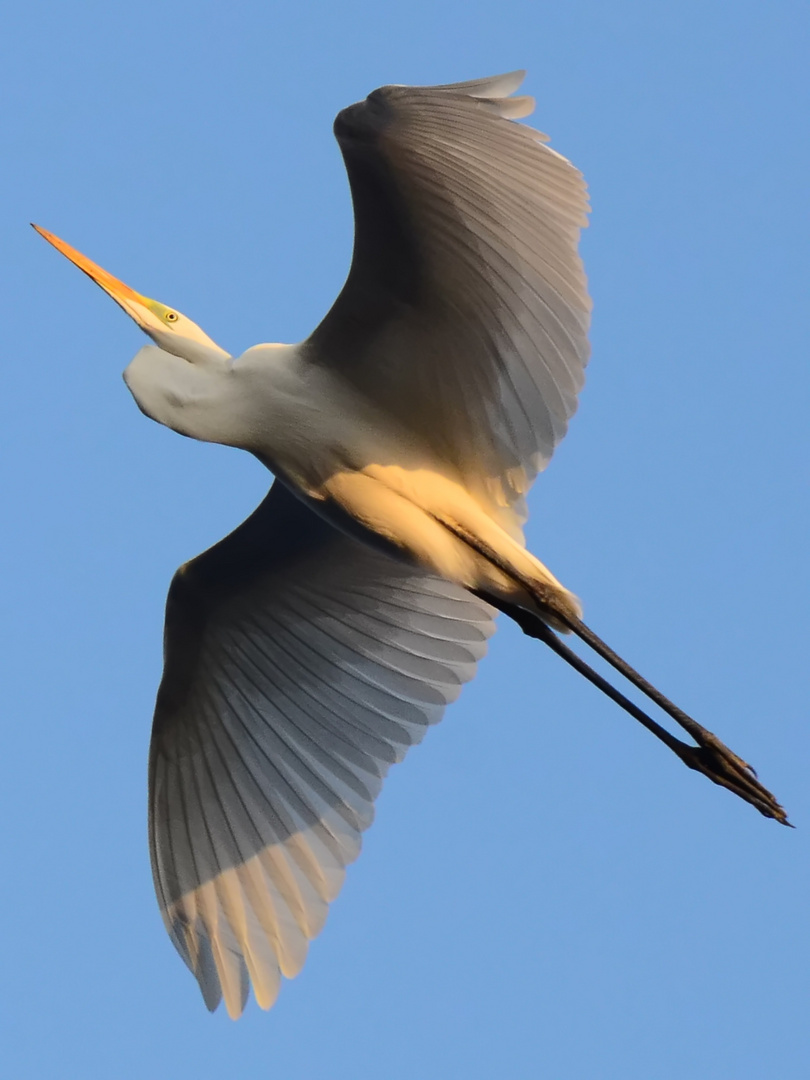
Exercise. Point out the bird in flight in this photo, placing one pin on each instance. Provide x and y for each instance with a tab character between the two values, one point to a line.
306	651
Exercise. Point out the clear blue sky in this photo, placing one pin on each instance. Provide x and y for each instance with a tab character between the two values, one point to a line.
546	891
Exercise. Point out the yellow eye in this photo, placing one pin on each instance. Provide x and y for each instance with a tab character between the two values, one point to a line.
170	316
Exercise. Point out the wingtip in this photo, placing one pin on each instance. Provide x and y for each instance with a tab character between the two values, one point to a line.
493	86
510	81
233	1008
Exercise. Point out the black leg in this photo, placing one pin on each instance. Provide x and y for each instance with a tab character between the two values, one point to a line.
710	756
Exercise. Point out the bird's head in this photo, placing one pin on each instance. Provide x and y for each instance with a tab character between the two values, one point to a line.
178	384
168	328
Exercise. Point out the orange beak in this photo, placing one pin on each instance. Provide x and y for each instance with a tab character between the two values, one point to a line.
121	293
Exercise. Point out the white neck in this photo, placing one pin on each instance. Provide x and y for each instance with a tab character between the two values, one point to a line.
206	394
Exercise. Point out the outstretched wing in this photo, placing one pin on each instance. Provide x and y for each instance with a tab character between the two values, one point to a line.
299	665
465	312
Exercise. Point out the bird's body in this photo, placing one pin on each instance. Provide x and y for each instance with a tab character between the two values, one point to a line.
356	466
311	647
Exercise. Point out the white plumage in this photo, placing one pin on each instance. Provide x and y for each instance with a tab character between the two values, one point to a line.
309	649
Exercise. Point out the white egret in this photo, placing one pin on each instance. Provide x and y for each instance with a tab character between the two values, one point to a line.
309	649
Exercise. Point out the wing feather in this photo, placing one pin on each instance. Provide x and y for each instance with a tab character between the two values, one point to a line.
465	312
300	665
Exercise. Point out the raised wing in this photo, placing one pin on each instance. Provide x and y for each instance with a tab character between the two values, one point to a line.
465	312
299	665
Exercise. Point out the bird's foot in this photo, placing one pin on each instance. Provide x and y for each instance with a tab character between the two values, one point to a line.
722	766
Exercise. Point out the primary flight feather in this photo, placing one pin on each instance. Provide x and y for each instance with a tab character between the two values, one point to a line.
309	649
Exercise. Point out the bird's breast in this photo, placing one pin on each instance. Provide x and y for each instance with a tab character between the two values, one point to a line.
308	425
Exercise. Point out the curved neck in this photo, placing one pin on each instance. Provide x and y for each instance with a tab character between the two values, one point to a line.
187	393
206	394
